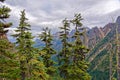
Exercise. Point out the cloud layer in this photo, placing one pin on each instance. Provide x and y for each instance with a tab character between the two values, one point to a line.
50	13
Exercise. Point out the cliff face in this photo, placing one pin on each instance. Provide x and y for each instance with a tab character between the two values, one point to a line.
100	54
118	20
118	23
96	34
107	28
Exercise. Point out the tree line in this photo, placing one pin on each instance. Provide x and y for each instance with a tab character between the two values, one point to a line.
22	61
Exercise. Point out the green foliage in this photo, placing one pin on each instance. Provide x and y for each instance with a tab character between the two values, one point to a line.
8	63
78	72
48	51
4	14
30	66
38	69
80	66
8	59
24	62
65	54
23	36
72	64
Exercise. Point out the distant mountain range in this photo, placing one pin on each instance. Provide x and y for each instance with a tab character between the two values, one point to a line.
94	35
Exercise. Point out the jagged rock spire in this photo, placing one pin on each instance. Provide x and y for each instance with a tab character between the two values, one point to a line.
118	20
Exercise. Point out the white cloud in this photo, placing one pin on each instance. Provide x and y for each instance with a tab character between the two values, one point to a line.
12	31
50	13
15	10
111	6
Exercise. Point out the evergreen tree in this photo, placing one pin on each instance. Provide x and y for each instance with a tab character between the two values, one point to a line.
65	53
79	66
4	14
2	0
8	63
31	68
35	68
21	42
47	38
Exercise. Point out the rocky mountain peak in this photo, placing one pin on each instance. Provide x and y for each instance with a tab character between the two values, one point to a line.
118	20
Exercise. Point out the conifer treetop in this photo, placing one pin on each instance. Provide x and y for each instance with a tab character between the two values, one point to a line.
4	14
2	0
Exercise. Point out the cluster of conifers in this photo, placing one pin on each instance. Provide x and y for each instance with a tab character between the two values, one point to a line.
24	62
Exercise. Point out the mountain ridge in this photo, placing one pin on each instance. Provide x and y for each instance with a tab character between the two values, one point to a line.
99	56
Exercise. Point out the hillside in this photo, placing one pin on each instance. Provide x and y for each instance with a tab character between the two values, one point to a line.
99	56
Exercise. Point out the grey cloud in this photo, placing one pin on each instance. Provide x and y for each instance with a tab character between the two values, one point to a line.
52	12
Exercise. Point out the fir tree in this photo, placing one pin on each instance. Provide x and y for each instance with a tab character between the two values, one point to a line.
31	68
65	53
8	63
4	14
47	38
79	66
2	0
21	42
35	67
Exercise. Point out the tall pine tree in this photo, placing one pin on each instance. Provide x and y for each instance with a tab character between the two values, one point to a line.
79	65
8	63
2	0
65	54
21	44
31	68
48	51
4	14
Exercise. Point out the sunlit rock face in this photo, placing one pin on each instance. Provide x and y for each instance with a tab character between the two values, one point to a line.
108	27
94	35
97	33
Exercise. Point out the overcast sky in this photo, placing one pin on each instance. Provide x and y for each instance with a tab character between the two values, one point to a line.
50	13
